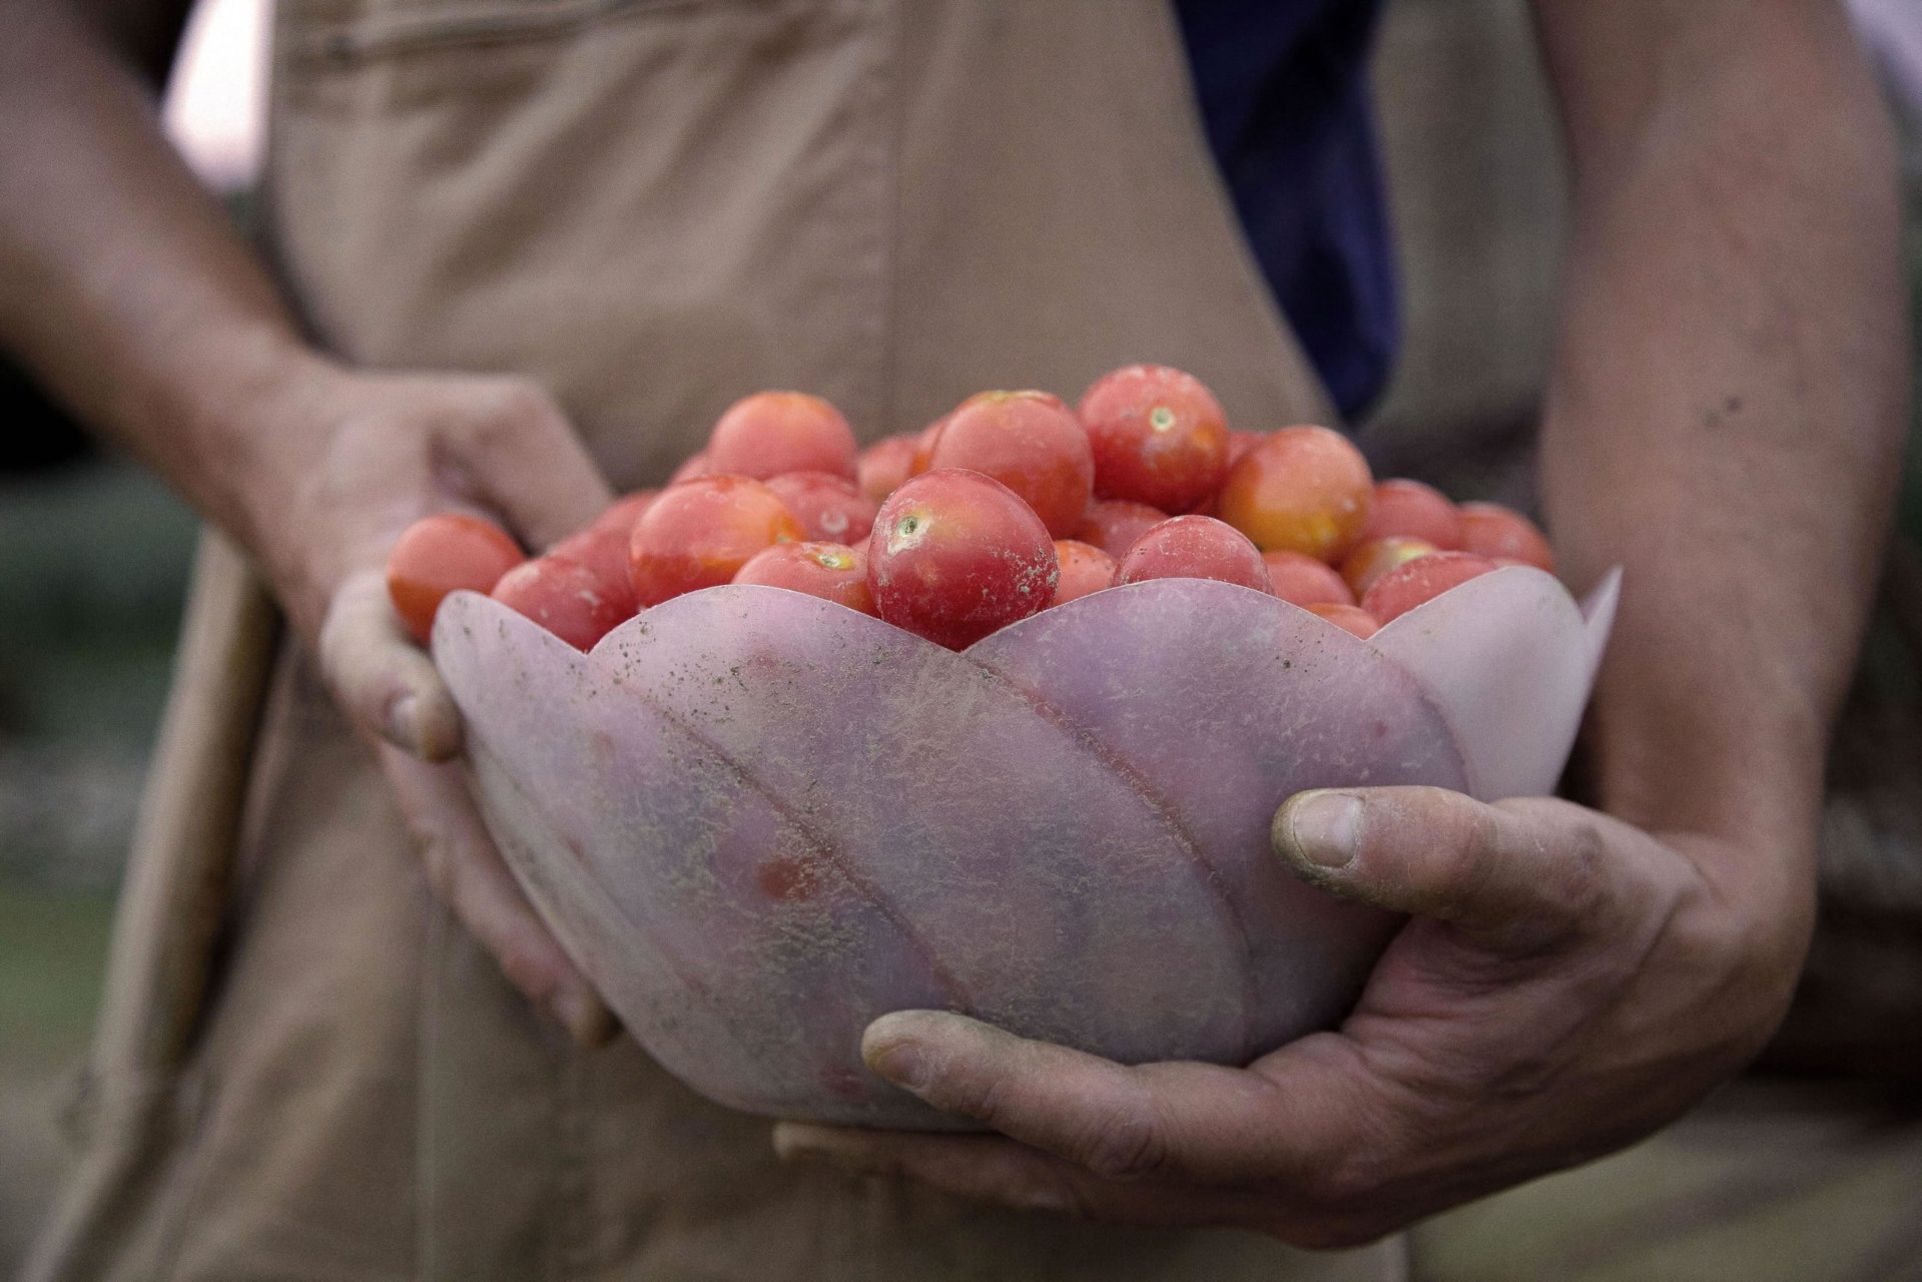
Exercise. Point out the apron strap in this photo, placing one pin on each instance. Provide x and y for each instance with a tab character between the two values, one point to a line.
173	902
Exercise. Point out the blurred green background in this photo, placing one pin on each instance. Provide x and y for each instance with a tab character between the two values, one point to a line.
93	557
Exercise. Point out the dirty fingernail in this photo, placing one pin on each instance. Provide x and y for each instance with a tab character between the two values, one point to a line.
900	1062
584	1016
403	722
1323	828
794	1141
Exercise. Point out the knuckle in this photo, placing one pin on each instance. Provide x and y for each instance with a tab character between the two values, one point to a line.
1583	873
1347	1180
1124	1144
515	405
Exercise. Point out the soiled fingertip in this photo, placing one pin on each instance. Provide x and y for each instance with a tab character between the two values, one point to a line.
804	1141
903	1046
436	725
585	1017
1318	831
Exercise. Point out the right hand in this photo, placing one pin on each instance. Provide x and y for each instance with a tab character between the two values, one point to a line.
359	456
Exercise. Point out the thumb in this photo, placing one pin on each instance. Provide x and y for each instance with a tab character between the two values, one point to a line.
387	684
1516	876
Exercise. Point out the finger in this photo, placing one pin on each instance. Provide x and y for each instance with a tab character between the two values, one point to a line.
386	683
472	879
1515	876
1189	1121
537	474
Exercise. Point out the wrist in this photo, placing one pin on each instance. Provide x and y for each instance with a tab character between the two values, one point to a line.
251	412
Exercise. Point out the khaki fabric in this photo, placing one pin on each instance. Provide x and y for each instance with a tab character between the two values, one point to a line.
652	206
1767	1182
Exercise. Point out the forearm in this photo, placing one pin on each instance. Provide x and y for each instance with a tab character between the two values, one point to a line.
123	287
1727	398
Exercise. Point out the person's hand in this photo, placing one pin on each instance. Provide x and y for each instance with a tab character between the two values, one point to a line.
356	458
1566	984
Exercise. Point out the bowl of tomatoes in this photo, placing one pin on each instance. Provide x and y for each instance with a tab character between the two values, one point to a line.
1010	746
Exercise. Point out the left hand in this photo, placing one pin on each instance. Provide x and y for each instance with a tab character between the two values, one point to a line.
1566	983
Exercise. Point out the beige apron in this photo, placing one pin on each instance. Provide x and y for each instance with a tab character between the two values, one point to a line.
652	206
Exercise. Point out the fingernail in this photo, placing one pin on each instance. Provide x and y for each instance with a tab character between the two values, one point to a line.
900	1062
403	722
583	1016
799	1142
1324	828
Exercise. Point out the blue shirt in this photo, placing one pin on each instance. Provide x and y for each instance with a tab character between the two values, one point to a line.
1284	98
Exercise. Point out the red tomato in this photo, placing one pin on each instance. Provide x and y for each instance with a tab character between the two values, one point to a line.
1239	443
1491	530
1084	570
773	433
695	467
829	508
1304	489
1304	581
884	465
602	549
1370	560
699	534
924	446
444	553
1423	579
1410	510
956	555
623	512
1195	547
1348	618
566	598
1113	525
1158	435
831	571
1031	443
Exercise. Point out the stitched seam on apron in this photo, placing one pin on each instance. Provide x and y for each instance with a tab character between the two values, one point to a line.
405	34
392	36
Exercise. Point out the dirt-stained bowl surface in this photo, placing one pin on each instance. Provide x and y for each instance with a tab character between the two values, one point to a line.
758	820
